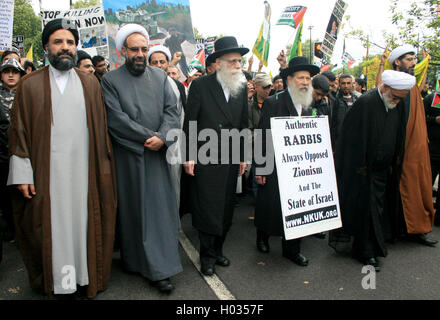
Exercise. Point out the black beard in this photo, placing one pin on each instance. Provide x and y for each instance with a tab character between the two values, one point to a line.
410	72
62	64
134	68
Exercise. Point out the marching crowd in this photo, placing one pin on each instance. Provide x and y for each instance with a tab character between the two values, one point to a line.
86	156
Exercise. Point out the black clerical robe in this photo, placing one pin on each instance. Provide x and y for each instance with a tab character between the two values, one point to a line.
369	147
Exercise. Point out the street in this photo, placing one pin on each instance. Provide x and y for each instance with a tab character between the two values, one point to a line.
410	271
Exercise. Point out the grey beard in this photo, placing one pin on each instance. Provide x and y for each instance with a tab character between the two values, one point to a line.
62	64
305	99
234	83
386	101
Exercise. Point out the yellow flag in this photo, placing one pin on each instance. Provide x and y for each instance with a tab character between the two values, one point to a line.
29	54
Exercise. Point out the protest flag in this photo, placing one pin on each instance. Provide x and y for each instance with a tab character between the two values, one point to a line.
261	47
292	16
297	46
436	101
29	54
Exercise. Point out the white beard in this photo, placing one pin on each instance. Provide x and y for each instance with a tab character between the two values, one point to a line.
387	101
304	98
233	80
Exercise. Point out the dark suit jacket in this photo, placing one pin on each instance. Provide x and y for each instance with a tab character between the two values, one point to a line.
213	186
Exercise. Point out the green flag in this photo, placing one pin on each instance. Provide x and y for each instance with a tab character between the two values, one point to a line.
261	47
296	46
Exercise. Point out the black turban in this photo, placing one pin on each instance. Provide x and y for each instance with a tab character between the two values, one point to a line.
57	24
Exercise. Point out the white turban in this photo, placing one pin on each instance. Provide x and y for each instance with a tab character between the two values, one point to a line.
398	80
400	51
162	49
127	30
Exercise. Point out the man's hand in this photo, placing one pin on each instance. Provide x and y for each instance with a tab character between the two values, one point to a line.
384	56
437	119
243	166
260	66
28	190
251	61
260	180
189	167
282	60
177	56
154	143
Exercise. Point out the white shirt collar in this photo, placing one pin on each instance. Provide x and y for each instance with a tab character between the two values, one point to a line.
61	78
298	107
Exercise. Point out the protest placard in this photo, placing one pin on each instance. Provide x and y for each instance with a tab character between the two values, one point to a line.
333	27
306	175
18	42
167	22
91	27
6	24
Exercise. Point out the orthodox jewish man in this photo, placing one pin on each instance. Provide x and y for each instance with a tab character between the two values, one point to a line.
297	100
217	102
366	158
61	162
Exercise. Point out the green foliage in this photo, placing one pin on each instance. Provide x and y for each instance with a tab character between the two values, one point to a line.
423	35
84	4
27	24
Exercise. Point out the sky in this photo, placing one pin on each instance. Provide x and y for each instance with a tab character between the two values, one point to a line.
243	19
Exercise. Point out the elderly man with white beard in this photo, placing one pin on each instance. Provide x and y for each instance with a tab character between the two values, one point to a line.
217	105
367	156
297	100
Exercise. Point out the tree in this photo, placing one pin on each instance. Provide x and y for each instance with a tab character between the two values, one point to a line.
27	24
84	4
421	35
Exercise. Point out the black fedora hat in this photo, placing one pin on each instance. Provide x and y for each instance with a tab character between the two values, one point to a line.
227	45
299	64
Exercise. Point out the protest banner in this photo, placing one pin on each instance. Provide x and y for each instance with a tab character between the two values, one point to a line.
18	42
306	175
167	23
333	27
292	16
6	24
91	27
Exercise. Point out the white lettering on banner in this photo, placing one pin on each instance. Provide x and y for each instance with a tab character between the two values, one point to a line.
369	281
306	175
69	280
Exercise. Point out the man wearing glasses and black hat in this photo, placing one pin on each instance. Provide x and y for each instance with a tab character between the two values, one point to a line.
297	100
217	102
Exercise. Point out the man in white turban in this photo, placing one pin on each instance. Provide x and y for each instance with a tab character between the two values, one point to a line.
366	159
141	109
415	172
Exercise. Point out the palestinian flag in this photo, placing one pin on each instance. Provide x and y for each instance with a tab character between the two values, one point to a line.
436	101
296	50
197	62
292	16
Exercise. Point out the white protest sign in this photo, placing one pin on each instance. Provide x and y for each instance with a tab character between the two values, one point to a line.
6	24
306	175
91	26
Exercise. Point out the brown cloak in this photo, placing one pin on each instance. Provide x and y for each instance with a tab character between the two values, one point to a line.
415	183
29	137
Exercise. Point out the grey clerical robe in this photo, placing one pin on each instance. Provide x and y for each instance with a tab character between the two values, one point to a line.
138	108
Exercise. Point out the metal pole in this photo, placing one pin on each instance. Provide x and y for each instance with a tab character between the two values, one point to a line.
310	28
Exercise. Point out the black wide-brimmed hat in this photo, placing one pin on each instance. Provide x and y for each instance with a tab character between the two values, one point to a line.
227	45
299	64
57	24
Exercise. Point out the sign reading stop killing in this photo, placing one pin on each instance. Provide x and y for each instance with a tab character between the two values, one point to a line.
306	175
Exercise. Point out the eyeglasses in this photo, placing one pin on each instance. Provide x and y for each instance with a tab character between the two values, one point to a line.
411	59
232	61
136	49
302	78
